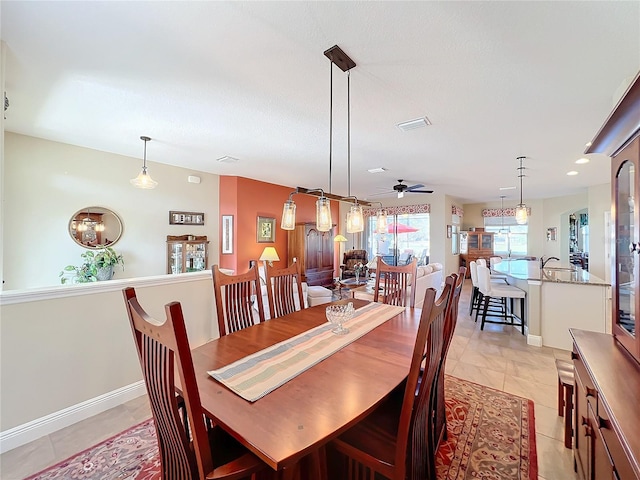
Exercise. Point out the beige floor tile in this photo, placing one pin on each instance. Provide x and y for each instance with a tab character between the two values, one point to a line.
482	376
562	354
27	459
449	366
554	461
528	372
541	394
548	422
484	360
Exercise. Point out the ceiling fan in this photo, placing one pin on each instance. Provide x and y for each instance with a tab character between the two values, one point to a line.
401	188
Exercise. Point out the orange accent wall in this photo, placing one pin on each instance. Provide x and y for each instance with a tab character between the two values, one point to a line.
246	199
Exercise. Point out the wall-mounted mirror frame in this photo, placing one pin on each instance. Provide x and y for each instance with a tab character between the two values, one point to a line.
95	227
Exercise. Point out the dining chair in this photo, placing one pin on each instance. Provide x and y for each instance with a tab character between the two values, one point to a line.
203	452
235	297
396	439
451	319
393	283
283	288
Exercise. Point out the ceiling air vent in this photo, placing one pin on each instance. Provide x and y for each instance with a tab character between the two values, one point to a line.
413	124
227	159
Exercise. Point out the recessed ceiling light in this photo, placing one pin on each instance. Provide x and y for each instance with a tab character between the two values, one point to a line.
507	188
572	173
413	124
377	170
582	161
227	159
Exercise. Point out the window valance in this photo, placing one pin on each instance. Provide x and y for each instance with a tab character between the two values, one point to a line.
455	210
502	212
399	210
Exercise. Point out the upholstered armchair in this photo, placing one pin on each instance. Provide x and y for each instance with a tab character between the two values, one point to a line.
351	259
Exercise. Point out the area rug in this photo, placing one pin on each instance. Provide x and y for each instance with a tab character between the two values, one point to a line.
491	435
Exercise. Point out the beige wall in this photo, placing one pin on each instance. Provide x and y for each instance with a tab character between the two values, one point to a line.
56	353
46	182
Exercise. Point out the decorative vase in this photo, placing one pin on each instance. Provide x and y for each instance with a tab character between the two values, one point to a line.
357	276
105	273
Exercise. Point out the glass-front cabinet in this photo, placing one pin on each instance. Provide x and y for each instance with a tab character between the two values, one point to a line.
626	208
187	253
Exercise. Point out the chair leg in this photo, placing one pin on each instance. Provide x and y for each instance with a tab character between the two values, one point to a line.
474	296
522	314
560	398
568	408
487	298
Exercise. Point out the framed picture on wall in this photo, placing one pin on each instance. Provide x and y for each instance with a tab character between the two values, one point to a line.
227	233
266	231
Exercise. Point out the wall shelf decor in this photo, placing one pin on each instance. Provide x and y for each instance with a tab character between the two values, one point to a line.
186	218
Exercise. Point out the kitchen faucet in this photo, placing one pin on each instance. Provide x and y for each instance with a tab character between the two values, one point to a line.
543	262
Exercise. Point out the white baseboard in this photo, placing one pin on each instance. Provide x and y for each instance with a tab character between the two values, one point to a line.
535	340
27	432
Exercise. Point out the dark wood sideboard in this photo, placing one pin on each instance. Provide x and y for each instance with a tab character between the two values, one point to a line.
606	412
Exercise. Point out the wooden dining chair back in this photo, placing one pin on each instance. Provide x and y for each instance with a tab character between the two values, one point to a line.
393	284
283	288
451	318
235	297
163	347
395	440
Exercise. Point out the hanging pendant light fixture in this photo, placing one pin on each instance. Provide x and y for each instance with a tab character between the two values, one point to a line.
502	229
144	180
521	209
355	217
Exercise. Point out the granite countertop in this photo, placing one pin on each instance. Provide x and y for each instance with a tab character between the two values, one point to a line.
530	270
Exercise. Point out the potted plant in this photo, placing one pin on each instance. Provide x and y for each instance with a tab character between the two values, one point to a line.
96	266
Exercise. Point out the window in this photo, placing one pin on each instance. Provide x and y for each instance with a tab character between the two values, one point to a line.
510	239
412	237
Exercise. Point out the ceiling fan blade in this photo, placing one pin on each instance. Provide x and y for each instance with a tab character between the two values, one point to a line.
414	187
380	194
420	191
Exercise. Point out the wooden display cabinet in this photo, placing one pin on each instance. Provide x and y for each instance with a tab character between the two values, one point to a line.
313	250
475	245
619	138
187	253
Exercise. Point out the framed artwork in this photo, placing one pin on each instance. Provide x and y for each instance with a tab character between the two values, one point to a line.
266	231
552	234
186	218
227	233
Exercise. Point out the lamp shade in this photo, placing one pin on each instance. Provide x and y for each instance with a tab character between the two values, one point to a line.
381	221
323	215
144	180
288	215
522	215
339	238
269	254
355	219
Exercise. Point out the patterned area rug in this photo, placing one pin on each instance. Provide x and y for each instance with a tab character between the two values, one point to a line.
491	435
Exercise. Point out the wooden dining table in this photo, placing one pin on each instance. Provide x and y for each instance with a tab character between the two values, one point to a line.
301	416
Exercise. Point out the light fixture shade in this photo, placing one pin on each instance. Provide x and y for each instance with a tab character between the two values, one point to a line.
144	180
521	215
355	219
270	254
288	216
323	215
340	238
381	221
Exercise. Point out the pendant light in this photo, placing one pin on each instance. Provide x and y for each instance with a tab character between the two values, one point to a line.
502	229
521	209
144	180
323	212
355	217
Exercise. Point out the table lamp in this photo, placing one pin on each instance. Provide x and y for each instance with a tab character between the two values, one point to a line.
269	255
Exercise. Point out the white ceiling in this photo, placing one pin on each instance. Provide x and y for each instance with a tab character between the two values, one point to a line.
249	80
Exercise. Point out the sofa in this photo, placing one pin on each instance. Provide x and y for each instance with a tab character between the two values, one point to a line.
427	276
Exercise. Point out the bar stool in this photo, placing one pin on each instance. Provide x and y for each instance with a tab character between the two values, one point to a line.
491	290
565	397
476	295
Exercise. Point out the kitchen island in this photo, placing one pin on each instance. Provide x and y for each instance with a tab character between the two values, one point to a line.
559	298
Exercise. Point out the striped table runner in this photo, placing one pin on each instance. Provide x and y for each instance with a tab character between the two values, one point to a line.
254	376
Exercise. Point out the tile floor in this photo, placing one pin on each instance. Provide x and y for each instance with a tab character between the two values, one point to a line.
497	357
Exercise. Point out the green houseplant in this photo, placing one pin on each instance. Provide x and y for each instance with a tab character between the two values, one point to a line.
96	265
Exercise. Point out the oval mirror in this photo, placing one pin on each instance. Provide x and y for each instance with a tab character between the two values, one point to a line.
95	227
